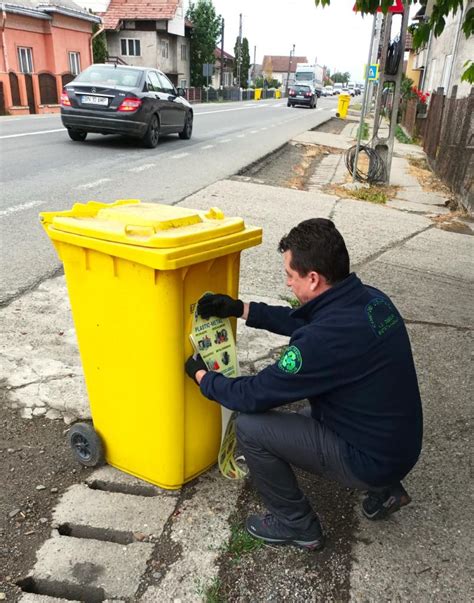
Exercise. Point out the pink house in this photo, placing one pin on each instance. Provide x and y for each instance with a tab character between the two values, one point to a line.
43	46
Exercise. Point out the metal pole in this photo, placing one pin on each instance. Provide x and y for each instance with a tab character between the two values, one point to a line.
222	53
289	69
364	100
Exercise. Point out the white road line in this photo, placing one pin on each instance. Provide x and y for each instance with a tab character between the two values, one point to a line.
207	146
179	155
320	108
21	207
253	131
32	133
240	136
262	129
224	140
225	110
93	184
142	168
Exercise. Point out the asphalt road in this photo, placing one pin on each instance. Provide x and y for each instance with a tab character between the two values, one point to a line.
42	170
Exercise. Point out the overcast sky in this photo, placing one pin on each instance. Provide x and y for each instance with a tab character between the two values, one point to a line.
335	35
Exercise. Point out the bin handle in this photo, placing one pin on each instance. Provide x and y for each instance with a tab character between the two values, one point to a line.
215	213
139	231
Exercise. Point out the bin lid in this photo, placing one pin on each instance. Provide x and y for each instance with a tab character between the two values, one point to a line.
144	224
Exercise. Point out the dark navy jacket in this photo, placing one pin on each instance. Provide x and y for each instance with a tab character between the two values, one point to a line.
350	356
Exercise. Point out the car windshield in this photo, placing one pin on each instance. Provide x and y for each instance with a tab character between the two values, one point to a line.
301	89
109	76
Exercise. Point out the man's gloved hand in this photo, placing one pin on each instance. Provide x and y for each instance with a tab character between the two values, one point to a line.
220	305
193	365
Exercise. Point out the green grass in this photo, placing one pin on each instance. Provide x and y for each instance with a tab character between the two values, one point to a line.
365	131
373	195
294	303
402	137
209	592
241	542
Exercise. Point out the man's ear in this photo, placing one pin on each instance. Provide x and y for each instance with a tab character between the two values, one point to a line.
314	281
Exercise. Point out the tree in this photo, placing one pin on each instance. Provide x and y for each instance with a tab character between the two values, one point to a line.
244	61
204	35
341	78
99	46
434	23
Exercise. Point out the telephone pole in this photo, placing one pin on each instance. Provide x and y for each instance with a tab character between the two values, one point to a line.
292	54
222	53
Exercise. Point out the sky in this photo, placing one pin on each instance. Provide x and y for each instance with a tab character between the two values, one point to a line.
335	36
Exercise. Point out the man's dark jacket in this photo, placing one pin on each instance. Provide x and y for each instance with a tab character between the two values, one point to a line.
350	356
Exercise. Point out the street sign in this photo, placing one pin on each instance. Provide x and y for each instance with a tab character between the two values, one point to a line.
396	8
373	72
207	69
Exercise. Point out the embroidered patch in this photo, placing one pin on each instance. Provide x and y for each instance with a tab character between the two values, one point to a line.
382	316
291	361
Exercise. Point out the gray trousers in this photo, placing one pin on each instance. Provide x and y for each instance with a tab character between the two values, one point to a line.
273	441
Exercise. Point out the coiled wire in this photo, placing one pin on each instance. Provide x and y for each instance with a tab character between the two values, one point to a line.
376	170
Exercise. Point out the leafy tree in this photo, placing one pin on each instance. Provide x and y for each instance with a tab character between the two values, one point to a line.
341	78
244	61
435	23
99	46
204	35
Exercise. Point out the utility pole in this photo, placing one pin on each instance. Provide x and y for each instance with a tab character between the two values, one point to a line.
222	53
254	70
384	144
239	51
292	53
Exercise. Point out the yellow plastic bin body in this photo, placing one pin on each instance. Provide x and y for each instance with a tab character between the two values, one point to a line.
277	93
134	272
343	105
258	93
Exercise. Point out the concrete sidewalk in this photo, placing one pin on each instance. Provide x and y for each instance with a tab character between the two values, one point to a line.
420	554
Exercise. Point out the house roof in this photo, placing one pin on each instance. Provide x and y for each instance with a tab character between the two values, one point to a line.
280	63
41	9
142	10
217	54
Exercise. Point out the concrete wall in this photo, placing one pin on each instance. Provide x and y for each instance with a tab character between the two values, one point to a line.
447	55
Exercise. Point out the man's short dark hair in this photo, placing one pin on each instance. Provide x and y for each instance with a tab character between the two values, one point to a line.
317	245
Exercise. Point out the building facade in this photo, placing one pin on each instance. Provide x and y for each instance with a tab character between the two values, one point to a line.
44	46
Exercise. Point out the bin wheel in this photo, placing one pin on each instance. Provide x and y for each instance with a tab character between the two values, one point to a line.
86	445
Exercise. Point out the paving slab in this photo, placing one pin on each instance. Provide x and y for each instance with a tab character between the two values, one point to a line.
421	196
424	552
105	568
356	220
420	208
400	175
422	296
34	598
325	139
277	210
201	530
112	511
113	480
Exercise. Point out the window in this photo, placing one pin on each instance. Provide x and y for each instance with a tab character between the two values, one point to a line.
448	63
130	47
25	58
184	52
227	78
165	48
153	82
183	83
166	85
74	62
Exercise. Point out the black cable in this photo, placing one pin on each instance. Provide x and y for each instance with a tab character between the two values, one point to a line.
394	54
376	171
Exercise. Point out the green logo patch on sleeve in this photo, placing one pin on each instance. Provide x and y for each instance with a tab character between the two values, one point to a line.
291	360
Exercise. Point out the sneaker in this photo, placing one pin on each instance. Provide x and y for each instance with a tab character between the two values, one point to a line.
270	529
379	505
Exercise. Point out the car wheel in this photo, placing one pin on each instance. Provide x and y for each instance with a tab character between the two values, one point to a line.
77	135
188	127
150	140
288	104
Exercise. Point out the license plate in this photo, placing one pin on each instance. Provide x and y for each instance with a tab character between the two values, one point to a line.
95	100
299	96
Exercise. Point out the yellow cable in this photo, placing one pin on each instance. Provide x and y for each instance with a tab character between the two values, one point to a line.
227	461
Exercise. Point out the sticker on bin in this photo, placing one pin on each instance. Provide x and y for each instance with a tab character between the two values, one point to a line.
214	340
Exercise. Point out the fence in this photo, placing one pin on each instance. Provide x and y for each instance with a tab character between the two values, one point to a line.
228	93
449	142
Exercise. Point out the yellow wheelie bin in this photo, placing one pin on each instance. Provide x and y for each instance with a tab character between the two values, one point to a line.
343	105
134	272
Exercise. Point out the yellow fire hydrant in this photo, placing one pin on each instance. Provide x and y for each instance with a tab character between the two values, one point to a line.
343	105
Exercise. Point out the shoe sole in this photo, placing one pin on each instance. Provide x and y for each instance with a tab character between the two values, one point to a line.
310	545
395	506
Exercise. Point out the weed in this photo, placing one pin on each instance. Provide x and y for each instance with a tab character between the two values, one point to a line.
294	303
241	542
209	592
372	194
402	137
365	131
418	162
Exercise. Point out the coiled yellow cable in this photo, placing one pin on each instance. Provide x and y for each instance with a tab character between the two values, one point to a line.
228	462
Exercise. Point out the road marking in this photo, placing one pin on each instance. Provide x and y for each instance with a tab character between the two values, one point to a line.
234	109
32	133
21	207
179	155
207	146
92	184
262	129
142	168
253	131
240	136
224	140
320	108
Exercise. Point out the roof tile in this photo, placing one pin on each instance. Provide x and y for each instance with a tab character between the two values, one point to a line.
138	9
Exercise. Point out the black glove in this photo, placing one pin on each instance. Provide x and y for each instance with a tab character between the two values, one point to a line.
220	305
193	365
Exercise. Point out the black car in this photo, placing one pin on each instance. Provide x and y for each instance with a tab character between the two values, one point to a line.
132	101
302	95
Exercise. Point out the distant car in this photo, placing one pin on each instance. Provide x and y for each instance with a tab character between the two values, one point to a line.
328	91
302	95
132	101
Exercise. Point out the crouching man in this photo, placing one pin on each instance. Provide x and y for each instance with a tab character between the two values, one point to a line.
350	356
